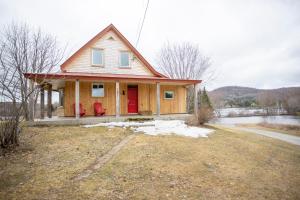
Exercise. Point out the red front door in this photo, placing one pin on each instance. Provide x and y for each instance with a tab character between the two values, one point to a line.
132	99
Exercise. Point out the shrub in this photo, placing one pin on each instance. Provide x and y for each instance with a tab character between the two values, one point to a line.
9	132
192	121
205	114
10	127
232	114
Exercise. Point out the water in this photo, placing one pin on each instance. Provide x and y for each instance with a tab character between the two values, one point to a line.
226	112
283	119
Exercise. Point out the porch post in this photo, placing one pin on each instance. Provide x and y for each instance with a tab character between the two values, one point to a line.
31	107
158	99
77	95
59	98
42	101
195	99
49	100
117	99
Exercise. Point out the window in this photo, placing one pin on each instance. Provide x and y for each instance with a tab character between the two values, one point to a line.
124	59
97	57
111	38
97	90
169	94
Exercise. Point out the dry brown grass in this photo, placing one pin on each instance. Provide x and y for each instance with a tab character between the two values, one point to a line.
226	165
282	128
49	156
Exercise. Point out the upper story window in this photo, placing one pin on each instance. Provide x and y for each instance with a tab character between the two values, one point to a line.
97	57
169	95
97	90
124	59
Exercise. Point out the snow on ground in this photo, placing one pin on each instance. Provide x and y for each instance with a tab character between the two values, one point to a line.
160	127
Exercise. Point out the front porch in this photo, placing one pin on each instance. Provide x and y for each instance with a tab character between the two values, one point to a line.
76	97
55	120
120	95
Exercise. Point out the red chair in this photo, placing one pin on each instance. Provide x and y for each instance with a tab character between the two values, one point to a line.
81	110
98	109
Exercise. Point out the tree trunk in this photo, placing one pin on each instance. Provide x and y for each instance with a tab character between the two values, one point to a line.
190	99
25	110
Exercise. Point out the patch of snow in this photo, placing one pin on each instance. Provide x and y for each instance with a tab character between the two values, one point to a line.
122	124
160	127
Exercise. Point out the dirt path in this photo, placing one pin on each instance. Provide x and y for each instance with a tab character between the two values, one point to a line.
281	136
103	159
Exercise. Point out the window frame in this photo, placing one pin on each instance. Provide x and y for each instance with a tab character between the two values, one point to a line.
92	57
96	83
173	94
120	59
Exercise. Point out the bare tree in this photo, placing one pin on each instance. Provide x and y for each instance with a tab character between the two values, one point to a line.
12	112
290	100
267	100
11	108
25	50
184	61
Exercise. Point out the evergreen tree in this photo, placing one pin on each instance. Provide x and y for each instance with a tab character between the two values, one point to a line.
206	111
199	98
204	99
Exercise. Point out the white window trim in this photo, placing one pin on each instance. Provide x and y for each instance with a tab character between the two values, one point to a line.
93	88
129	63
171	92
97	65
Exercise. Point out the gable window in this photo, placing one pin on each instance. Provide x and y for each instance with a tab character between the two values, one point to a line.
111	38
97	90
97	57
169	94
124	59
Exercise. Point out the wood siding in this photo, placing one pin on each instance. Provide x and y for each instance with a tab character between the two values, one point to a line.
86	99
111	49
175	105
146	98
123	99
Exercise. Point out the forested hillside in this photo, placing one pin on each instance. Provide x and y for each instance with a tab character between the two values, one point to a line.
235	96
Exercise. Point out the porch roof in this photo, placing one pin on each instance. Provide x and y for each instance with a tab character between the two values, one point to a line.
40	77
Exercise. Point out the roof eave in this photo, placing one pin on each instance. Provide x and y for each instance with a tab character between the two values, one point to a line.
34	76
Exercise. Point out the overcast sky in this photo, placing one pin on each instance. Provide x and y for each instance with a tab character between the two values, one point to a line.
251	43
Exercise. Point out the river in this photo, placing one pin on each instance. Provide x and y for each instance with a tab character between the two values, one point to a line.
281	119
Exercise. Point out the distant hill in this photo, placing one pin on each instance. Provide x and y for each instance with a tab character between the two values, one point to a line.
235	96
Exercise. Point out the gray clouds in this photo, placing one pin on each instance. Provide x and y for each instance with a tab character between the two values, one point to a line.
251	43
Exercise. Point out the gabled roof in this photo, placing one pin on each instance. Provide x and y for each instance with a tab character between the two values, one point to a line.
112	28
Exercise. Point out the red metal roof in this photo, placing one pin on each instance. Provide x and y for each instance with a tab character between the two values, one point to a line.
105	76
112	28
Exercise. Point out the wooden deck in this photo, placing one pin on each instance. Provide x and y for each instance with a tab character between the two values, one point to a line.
94	120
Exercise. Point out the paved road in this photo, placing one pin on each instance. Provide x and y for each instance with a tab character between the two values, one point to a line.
281	136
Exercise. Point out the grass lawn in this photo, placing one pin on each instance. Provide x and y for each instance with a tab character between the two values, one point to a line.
226	165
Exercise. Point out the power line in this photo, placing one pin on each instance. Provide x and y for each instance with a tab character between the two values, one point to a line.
142	24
